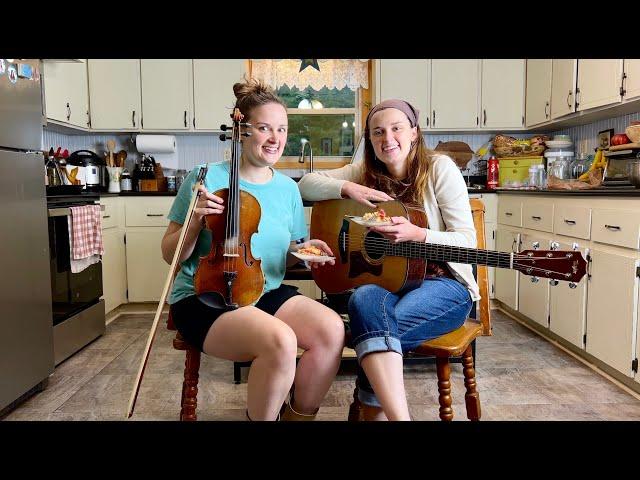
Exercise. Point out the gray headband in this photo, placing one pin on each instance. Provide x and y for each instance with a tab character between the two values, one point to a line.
404	107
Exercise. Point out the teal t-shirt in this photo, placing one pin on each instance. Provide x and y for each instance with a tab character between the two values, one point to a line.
281	221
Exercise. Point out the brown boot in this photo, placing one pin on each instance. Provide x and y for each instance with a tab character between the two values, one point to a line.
371	414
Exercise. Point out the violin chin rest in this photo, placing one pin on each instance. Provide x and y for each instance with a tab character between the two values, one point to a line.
215	300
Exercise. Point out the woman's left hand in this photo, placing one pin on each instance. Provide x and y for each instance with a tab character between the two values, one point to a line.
402	230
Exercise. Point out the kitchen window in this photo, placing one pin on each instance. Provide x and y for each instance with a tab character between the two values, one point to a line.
326	107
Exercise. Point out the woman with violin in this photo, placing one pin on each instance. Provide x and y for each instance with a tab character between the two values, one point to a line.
397	165
259	239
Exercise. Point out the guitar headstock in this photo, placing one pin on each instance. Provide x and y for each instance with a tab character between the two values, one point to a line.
567	265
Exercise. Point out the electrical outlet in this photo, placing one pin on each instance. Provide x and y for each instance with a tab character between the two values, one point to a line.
227	154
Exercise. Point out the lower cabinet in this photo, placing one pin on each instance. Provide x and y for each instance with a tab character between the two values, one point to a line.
613	307
533	294
507	240
568	300
146	269
114	269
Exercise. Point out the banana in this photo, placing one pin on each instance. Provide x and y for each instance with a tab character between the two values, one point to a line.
599	161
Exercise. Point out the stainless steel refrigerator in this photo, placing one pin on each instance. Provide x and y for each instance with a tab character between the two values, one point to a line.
26	330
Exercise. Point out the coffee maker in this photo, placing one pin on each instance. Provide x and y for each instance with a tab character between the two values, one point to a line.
96	176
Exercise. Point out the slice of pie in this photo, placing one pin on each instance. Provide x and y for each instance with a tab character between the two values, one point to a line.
378	216
311	251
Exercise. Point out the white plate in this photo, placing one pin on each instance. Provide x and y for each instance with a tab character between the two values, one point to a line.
312	258
369	223
558	143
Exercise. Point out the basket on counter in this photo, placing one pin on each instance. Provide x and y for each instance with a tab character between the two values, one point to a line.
505	146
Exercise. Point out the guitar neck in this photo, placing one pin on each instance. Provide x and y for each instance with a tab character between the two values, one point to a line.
449	253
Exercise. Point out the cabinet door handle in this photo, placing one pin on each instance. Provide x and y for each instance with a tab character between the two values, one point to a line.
622	90
427	121
194	121
535	217
68	112
185	118
433	123
569	96
484	117
546	105
106	216
154	214
569	222
577	98
133	118
508	214
615	228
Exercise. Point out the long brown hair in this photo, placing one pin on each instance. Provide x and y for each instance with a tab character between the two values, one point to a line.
253	93
411	190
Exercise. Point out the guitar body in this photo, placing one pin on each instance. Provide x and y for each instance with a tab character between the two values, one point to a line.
359	260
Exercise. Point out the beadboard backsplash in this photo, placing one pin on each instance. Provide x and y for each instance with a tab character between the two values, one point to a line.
193	150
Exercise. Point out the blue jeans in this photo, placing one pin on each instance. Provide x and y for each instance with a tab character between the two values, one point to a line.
382	321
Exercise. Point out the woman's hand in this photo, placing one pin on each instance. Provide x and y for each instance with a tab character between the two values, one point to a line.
364	195
402	230
207	204
322	246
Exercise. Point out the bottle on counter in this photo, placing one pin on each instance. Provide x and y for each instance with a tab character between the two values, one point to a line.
533	176
541	176
492	173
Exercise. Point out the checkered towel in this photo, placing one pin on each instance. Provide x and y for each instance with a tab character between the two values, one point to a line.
86	227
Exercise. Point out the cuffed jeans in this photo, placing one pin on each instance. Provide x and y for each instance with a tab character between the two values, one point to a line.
382	321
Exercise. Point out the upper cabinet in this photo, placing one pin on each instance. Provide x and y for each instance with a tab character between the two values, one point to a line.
66	93
213	97
502	94
408	80
538	91
599	83
631	83
454	93
166	94
114	92
563	85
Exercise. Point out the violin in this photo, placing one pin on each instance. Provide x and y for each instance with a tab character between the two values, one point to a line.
228	276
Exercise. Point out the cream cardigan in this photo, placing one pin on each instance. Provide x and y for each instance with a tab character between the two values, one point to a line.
446	204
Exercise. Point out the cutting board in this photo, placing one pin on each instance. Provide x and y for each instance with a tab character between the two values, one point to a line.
626	146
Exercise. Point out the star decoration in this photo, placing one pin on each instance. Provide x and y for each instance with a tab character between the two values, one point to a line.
309	62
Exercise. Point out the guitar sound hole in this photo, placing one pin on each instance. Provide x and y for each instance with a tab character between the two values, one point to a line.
374	245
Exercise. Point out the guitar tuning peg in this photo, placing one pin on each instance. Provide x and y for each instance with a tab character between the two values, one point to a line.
224	136
223	128
246	134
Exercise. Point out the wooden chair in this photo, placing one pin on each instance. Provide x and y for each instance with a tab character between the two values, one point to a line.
455	344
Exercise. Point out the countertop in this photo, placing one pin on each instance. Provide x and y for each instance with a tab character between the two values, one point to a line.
591	192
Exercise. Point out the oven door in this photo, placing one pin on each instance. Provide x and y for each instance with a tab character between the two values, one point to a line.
71	292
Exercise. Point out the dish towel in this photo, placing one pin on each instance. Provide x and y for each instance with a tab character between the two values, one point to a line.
85	236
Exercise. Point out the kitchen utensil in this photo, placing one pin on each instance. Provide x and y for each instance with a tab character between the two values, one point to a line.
111	145
121	156
458	151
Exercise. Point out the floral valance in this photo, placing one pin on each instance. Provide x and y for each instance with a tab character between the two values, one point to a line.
332	74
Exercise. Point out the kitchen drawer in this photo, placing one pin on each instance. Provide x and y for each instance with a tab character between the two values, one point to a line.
148	211
572	221
510	211
538	216
110	212
616	227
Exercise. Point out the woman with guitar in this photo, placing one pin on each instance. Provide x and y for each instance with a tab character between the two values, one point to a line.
397	165
269	331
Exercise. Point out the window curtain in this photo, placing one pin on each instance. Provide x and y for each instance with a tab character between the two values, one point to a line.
333	73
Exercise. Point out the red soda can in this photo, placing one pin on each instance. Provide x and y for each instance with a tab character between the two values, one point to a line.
492	173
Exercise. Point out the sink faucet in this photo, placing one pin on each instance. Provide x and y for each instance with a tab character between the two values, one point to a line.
304	143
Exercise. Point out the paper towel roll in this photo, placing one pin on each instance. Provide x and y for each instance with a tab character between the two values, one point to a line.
156	143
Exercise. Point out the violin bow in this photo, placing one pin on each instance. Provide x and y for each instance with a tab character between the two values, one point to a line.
165	290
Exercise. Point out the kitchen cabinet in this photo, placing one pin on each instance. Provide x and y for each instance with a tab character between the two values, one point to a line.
502	94
408	79
114	94
599	83
563	85
507	280
568	300
538	91
612	307
213	97
533	291
454	94
167	93
631	83
66	93
146	221
114	268
490	201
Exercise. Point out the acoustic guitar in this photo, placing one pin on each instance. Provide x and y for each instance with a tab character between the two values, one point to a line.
367	257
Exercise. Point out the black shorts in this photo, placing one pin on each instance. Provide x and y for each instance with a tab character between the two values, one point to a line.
193	319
